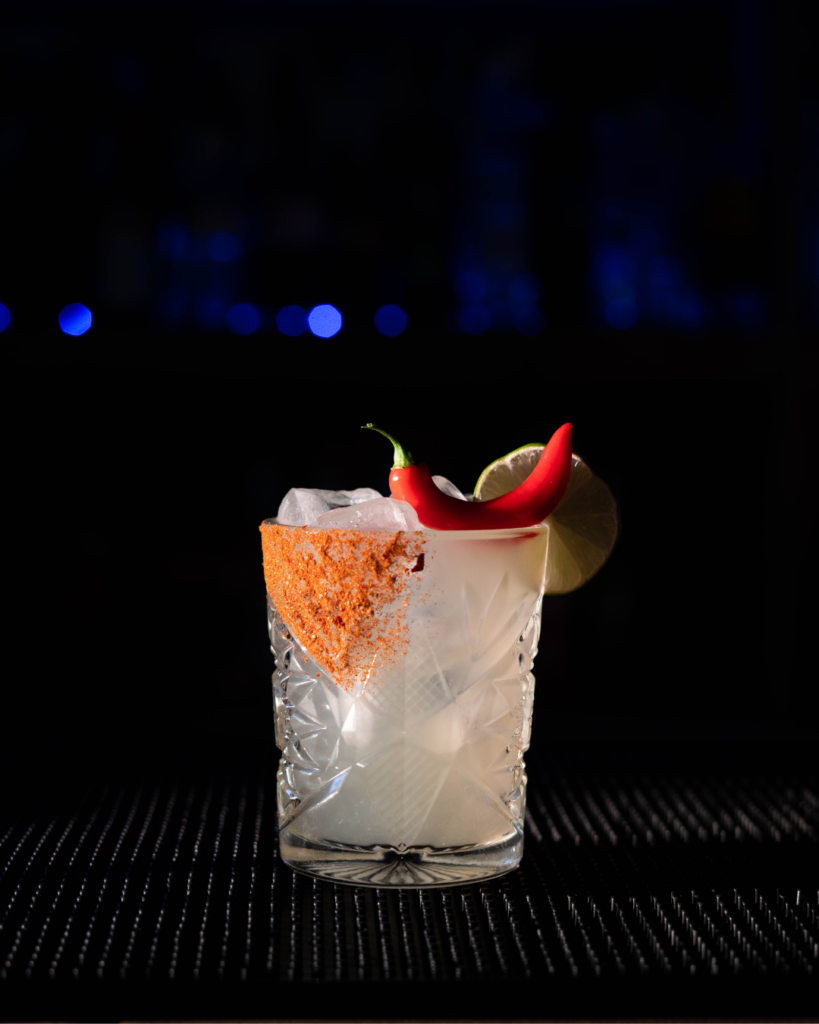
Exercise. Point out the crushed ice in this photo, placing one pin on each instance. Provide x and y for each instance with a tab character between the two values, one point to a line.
302	506
361	509
379	514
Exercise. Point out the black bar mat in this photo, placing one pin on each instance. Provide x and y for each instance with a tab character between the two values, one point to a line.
139	882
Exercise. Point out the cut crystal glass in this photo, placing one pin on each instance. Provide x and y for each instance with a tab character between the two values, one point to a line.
417	776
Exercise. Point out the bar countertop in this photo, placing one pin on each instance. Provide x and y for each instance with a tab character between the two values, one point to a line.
143	881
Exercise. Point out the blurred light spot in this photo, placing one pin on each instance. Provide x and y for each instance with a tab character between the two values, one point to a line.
292	321
504	213
663	272
223	247
211	313
615	268
678	306
644	236
75	319
496	166
470	286
524	290
5	318
688	311
620	313
747	308
501	315
474	319
243	318
172	242
324	321
390	321
530	321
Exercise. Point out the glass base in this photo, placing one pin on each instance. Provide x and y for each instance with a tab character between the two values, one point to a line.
412	867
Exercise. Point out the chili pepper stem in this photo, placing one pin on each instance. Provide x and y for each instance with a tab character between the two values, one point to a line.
403	457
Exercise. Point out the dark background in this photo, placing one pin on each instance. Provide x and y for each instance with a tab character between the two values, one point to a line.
632	188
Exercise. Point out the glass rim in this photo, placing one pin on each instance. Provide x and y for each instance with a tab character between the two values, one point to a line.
511	532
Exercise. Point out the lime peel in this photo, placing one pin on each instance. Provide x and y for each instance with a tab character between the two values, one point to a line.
582	529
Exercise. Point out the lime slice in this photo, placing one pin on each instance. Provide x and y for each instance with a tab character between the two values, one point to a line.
583	527
504	475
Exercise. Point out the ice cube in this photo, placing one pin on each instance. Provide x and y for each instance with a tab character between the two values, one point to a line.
448	487
302	506
360	494
378	514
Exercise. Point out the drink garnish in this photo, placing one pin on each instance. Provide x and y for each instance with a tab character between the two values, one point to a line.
582	529
525	505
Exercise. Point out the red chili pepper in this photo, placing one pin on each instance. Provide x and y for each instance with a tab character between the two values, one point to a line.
529	503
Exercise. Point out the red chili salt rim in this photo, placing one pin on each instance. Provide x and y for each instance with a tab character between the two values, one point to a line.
343	593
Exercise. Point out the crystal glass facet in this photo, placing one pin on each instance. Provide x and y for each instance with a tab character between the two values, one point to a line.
417	776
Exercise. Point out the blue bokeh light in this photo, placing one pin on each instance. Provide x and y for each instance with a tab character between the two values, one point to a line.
5	317
243	318
324	321
616	270
747	308
470	287
689	312
621	313
663	272
638	277
223	247
530	321
173	242
524	290
211	313
474	319
75	319
644	237
501	314
497	166
390	321
292	321
504	214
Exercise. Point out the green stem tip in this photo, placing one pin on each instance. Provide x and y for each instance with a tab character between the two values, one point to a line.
403	458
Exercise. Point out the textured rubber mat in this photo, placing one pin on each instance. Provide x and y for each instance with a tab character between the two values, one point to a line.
141	880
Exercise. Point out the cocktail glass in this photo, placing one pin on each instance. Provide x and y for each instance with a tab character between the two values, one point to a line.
403	720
